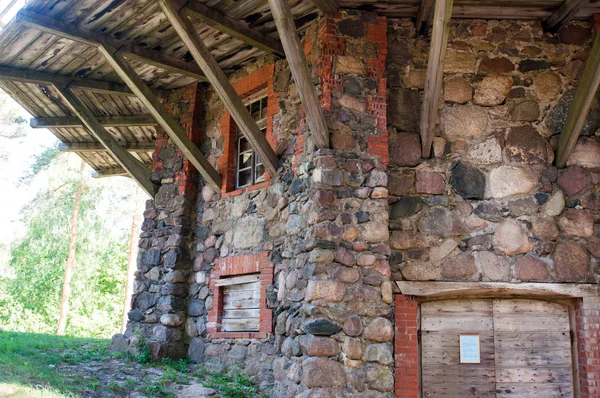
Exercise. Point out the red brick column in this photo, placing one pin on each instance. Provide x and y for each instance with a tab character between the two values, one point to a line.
587	313
406	347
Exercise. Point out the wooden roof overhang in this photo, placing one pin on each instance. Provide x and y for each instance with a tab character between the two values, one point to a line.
93	70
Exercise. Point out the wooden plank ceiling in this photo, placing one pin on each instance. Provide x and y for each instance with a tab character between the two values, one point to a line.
31	61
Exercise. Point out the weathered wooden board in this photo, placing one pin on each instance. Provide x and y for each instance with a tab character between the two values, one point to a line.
241	305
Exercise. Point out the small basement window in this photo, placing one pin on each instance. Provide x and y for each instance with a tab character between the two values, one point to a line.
249	170
241	303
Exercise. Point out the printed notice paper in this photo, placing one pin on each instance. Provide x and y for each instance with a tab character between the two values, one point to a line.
469	349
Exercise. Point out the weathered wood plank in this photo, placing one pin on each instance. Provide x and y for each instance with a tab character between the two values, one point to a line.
239	280
435	73
535	390
166	121
222	86
134	168
110	172
28	76
498	289
233	28
327	6
106	121
424	16
94	147
585	95
247	313
240	325
149	56
563	14
284	20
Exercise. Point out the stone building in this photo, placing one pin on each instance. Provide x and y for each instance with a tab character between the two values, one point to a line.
413	232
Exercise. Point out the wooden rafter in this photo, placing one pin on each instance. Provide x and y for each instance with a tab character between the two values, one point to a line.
327	6
47	79
105	121
134	167
284	20
222	86
164	119
424	16
563	14
111	172
586	92
97	147
148	56
435	73
233	28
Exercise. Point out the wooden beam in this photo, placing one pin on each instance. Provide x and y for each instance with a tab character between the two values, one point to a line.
233	28
71	32
586	92
435	73
424	16
294	52
97	147
134	167
563	14
222	86
47	79
164	119
327	6
447	289
111	172
105	121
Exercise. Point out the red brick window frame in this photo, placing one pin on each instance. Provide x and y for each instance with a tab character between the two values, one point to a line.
246	87
257	263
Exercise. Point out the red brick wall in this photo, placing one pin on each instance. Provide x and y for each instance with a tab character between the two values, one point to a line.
246	86
334	45
241	265
587	313
406	347
186	178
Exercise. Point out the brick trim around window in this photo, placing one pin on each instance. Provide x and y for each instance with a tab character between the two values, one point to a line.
236	266
245	87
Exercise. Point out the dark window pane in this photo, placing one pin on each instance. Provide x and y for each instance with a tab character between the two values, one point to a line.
245	178
260	173
244	145
245	160
263	107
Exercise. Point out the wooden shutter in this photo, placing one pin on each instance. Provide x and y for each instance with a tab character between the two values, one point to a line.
533	349
525	349
241	303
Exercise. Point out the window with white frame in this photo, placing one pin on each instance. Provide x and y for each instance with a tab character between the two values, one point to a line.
249	169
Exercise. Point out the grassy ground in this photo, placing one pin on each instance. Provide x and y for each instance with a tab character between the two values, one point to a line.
46	366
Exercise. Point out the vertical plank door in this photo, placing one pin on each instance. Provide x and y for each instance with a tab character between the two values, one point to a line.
442	374
533	349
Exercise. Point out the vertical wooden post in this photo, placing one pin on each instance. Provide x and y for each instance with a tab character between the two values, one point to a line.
294	53
435	72
586	92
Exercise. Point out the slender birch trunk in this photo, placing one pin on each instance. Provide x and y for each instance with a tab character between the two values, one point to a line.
66	292
131	262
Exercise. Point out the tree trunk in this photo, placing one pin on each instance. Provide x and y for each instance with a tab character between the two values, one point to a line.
66	292
131	262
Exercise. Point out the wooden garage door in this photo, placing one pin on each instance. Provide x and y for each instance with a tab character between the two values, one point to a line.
525	349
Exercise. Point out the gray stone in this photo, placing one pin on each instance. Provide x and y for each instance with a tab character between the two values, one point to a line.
523	206
196	308
380	330
381	353
321	327
406	207
458	90
558	115
439	221
460	268
493	267
145	301
586	153
509	180
524	111
404	109
464	122
492	90
487	152
196	391
511	238
555	205
136	315
197	350
323	373
353	326
249	232
468	181
296	224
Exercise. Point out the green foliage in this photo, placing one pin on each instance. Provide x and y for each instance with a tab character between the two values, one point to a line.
144	355
44	159
231	383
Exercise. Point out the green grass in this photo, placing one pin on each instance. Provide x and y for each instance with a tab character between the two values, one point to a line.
32	360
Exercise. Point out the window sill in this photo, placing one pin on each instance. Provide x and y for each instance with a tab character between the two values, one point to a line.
245	189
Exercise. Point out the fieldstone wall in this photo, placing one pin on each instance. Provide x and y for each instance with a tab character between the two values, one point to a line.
489	205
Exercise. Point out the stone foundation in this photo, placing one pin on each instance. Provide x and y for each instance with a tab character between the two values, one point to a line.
337	226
